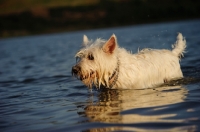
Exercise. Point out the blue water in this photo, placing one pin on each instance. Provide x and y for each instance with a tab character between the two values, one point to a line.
38	93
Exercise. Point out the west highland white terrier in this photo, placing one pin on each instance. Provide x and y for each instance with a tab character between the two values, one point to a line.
103	63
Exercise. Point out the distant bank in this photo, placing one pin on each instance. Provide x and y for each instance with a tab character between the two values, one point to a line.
103	14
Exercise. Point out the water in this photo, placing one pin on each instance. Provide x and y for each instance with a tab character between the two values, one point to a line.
38	93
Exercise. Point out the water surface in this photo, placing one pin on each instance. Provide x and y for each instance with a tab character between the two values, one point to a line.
38	93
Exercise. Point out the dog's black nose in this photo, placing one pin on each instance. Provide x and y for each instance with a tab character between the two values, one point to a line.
75	69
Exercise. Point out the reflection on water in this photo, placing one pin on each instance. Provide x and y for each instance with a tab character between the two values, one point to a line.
111	102
126	106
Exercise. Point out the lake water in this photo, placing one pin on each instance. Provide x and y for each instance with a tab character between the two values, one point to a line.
38	93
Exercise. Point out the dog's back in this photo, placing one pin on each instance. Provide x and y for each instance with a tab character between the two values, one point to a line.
152	67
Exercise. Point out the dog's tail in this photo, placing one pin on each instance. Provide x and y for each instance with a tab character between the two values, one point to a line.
179	46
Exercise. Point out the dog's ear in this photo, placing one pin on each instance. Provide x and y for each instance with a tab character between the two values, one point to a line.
85	40
110	45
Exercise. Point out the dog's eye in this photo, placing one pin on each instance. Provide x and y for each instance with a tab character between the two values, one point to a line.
78	59
90	57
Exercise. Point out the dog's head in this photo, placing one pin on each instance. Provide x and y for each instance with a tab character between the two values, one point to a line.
96	61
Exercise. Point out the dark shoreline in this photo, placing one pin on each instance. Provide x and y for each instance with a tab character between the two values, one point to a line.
103	15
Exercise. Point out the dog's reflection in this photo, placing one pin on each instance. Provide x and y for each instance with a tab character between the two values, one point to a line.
113	105
112	102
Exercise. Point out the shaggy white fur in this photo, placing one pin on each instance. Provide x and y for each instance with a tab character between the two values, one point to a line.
104	63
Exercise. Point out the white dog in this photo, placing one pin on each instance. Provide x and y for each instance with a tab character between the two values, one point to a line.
104	63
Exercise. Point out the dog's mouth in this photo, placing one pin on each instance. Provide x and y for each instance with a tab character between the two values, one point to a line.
87	77
84	77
